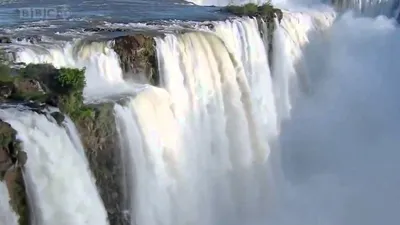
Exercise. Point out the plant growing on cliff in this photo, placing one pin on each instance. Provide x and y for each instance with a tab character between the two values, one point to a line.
5	72
60	81
70	80
251	9
70	84
64	87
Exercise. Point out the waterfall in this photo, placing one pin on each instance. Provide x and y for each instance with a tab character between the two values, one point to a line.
103	72
197	148
234	134
339	148
290	76
150	139
7	215
367	7
242	38
57	176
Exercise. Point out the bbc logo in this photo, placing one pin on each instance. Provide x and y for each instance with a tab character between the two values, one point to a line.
43	13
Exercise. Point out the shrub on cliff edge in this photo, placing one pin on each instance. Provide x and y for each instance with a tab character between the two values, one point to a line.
251	9
64	88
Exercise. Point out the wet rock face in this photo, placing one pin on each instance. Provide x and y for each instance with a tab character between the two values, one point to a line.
58	116
137	55
6	89
10	151
34	39
5	40
99	136
12	160
28	86
5	161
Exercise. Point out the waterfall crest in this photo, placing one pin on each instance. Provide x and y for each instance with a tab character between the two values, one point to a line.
57	177
103	72
367	7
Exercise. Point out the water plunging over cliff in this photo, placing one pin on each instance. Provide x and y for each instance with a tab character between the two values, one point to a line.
199	139
339	148
103	71
7	215
57	176
198	150
368	7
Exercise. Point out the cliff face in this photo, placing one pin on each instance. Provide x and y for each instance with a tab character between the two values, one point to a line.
137	55
99	137
12	160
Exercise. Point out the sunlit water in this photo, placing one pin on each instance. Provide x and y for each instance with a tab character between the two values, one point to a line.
7	215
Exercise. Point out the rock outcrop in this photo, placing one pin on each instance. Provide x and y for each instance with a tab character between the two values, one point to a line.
137	54
12	160
99	136
5	40
10	150
31	89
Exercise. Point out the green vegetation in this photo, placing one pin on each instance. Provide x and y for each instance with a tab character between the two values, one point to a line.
5	72
61	88
252	10
71	80
41	83
249	9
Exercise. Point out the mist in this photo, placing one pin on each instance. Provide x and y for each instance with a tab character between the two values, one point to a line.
341	148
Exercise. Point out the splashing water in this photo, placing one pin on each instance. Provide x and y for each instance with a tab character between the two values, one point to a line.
7	215
340	147
57	177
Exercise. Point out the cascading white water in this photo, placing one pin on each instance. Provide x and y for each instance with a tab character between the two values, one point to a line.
340	147
290	76
150	140
57	176
7	215
197	149
103	72
367	7
242	38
